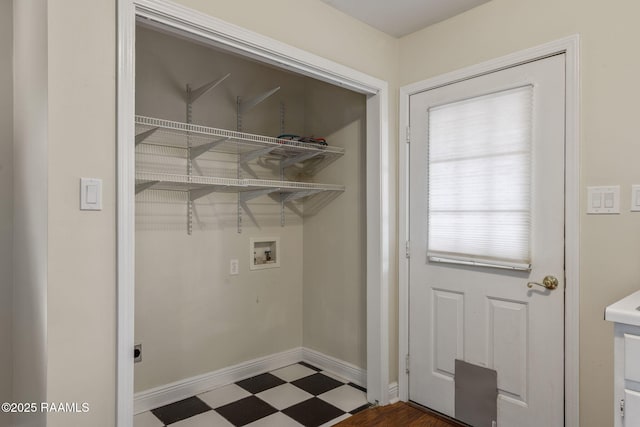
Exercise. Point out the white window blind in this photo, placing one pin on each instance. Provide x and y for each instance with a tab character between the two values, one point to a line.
480	180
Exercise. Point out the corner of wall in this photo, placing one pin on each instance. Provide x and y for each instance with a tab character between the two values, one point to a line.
29	245
6	206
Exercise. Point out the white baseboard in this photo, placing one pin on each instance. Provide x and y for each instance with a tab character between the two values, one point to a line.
393	393
339	367
166	394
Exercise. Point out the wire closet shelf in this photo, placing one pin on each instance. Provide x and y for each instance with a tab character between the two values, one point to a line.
196	140
165	133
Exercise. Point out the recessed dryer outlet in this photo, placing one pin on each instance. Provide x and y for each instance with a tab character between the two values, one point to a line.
264	253
137	353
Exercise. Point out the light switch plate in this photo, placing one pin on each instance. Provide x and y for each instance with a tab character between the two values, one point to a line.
635	198
90	194
603	200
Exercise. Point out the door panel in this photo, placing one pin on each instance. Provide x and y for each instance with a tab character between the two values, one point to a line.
508	338
483	315
448	309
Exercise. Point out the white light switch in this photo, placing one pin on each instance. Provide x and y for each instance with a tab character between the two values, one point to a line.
90	194
608	200
635	198
603	200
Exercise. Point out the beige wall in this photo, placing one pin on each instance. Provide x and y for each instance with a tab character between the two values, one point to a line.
341	38
64	260
30	206
335	238
6	204
610	248
81	289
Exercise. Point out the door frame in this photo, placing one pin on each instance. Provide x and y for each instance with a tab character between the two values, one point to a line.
379	227
570	47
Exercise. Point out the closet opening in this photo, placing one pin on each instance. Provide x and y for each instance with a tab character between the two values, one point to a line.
224	185
251	225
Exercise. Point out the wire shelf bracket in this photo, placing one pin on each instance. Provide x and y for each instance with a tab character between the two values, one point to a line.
243	206
194	94
242	106
296	195
252	155
145	186
197	194
201	149
144	135
193	152
249	195
246	105
297	159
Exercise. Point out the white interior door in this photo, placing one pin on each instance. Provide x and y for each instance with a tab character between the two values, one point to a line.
475	306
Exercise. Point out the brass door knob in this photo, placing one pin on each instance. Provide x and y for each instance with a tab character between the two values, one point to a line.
549	282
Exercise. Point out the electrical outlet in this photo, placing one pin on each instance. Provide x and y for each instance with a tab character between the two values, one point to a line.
234	267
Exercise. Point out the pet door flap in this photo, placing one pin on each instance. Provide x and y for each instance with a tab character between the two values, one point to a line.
476	399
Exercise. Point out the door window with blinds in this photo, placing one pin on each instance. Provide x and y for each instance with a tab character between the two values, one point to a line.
479	180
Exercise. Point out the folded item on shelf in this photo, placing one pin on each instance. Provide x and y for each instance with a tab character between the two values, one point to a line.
305	139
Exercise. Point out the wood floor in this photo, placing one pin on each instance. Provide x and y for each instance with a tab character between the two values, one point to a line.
399	414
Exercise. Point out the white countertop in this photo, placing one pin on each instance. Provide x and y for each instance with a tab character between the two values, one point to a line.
627	310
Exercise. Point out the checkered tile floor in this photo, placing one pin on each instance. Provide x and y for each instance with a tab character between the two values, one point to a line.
297	395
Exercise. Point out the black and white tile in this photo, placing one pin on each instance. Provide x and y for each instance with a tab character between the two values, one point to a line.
293	396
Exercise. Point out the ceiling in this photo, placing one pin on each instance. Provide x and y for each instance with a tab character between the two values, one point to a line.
401	17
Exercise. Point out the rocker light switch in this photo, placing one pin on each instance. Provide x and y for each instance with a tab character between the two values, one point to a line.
603	200
90	194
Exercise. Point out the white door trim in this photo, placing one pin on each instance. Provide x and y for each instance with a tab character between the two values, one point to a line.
569	46
215	31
